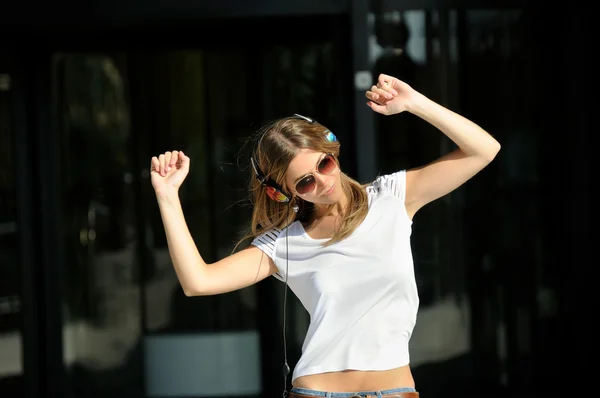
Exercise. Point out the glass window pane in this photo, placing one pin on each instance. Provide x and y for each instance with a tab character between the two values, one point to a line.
409	45
305	78
102	326
207	118
418	46
11	352
485	64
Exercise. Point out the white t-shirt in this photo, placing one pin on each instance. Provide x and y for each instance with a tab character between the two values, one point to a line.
361	293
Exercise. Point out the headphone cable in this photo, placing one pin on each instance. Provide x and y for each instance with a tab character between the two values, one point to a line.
286	367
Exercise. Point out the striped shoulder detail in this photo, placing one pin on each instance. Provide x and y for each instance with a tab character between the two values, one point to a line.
394	184
267	242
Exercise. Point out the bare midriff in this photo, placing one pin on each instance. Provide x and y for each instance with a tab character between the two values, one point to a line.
357	380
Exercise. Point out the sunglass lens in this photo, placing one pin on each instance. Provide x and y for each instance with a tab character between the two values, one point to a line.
305	185
327	165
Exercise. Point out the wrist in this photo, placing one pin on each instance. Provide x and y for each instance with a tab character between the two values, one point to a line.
167	195
418	104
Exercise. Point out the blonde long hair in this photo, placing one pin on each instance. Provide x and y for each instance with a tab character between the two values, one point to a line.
277	144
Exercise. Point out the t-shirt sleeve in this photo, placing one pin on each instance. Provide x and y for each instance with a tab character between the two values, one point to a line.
267	242
393	184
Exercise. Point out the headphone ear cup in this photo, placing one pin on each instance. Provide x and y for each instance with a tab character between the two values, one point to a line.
276	195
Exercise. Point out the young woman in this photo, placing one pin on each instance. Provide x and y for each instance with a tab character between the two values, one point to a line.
343	248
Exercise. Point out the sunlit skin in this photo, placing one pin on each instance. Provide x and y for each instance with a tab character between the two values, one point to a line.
305	162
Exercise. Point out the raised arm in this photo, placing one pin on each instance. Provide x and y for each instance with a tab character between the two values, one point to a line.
244	268
476	148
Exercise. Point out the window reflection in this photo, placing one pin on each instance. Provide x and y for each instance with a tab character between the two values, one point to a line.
499	46
419	47
11	362
306	80
404	46
101	329
479	63
208	119
205	102
217	99
202	98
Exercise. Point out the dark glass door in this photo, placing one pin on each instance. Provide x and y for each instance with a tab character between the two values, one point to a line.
127	327
101	325
11	308
479	323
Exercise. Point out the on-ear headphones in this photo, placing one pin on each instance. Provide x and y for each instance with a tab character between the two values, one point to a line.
275	191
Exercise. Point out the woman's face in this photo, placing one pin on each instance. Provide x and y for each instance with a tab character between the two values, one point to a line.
314	177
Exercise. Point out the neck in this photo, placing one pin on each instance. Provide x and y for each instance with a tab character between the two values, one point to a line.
336	209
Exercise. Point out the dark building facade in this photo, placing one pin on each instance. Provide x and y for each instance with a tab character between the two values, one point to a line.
89	303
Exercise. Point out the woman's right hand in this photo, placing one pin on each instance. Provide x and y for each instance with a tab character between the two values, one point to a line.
168	170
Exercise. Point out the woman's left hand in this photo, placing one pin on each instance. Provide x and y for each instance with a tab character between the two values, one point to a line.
390	95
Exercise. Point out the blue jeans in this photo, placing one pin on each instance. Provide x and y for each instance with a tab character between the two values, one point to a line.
329	394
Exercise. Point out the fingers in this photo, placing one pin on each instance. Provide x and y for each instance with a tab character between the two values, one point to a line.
154	165
162	158
174	160
383	91
380	94
387	86
387	81
378	108
182	161
376	94
165	162
384	80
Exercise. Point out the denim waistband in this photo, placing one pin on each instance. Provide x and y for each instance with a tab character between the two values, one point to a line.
331	394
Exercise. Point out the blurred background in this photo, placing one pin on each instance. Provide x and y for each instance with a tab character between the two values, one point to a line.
89	91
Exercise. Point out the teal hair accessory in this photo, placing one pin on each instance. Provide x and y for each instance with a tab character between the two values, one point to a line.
329	136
